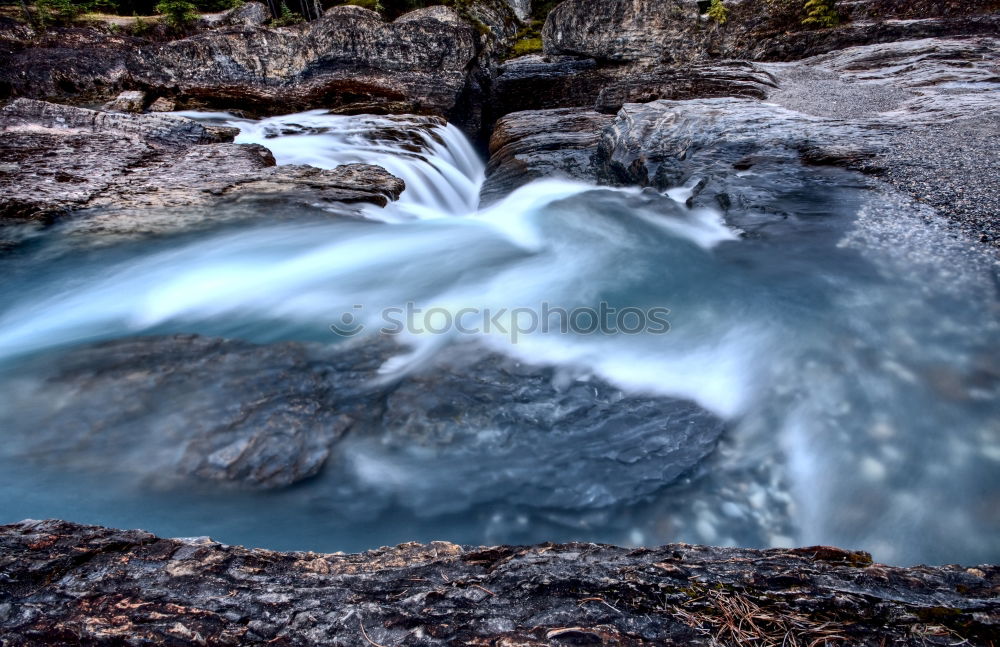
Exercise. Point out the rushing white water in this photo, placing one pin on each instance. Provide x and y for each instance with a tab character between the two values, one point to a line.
441	170
853	384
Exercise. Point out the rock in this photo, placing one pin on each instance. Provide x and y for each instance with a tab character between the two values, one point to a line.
671	31
933	102
128	101
165	130
544	82
879	109
700	80
248	14
625	30
506	432
529	145
268	416
536	82
429	61
798	44
238	413
134	171
85	584
664	144
162	104
203	175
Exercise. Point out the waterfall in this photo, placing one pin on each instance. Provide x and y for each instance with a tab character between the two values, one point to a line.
442	171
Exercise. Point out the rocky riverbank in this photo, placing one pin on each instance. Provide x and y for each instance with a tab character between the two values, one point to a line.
128	175
927	92
70	584
913	116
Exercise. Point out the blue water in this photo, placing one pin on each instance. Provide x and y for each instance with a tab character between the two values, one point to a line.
851	348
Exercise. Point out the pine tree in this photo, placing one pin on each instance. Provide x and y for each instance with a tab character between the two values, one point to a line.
718	12
820	13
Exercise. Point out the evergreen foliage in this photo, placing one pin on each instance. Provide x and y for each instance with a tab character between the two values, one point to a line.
820	14
178	13
718	12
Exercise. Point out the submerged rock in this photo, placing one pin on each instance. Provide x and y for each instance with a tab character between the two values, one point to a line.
75	584
171	408
61	159
184	406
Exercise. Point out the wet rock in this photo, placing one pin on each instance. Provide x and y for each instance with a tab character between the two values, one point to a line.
529	436
167	409
75	584
665	144
174	407
129	101
529	145
65	159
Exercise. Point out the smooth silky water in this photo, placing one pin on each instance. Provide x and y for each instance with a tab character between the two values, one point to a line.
852	351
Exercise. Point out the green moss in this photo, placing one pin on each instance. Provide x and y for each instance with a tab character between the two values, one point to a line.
527	46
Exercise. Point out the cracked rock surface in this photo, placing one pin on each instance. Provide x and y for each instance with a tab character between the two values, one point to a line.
70	584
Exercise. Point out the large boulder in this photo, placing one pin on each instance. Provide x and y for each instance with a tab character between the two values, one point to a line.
247	14
431	61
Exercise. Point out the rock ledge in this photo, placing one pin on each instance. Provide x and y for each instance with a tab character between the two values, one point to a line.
70	584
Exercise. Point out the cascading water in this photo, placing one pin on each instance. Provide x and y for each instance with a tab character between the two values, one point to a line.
860	390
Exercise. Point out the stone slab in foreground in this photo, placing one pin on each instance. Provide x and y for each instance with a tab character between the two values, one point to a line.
63	583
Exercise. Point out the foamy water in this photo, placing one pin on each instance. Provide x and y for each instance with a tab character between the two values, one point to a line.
868	390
